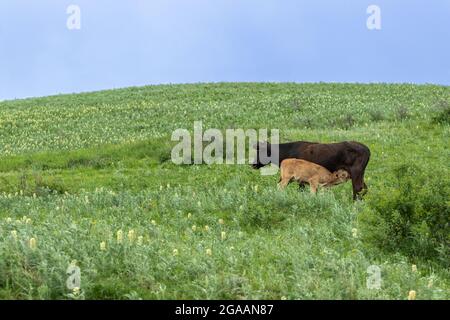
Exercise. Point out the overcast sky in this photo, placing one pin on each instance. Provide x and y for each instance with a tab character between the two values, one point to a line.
138	42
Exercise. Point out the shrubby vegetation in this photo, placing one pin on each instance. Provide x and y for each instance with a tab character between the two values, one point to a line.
442	115
86	179
412	215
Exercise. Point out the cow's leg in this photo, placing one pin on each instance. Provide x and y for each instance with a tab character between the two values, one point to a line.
357	175
357	182
364	189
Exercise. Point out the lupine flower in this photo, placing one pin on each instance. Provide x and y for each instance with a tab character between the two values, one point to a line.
414	268
103	246
209	252
189	215
32	243
175	252
131	235
355	233
194	227
223	235
412	295
206	228
221	221
119	236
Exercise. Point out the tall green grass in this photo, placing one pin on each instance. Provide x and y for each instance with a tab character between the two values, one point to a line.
76	169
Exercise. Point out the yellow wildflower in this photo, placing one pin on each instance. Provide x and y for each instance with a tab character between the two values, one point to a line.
32	243
131	235
119	236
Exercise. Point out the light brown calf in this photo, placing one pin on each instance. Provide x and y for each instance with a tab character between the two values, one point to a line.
315	175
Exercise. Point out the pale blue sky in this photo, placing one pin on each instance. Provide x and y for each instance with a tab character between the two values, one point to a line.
137	42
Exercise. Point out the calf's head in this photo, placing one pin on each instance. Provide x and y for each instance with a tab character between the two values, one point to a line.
339	176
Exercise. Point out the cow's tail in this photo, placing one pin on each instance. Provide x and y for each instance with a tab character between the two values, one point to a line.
366	158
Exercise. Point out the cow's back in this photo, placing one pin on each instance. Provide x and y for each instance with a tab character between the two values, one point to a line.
332	156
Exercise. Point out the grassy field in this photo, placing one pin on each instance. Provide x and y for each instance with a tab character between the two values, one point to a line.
87	180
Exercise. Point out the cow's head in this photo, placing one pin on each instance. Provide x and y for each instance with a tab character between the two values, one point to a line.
263	153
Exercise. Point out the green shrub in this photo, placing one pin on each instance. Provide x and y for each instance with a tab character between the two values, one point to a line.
411	216
442	115
376	115
345	122
402	113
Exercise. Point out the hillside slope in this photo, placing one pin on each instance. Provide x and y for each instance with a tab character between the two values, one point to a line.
87	179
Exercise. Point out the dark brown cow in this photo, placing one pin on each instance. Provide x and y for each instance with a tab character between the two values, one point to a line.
348	155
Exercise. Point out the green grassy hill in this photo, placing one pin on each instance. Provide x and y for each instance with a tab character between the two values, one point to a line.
89	178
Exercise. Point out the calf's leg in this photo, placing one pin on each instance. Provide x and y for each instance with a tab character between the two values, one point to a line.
301	186
313	184
283	183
